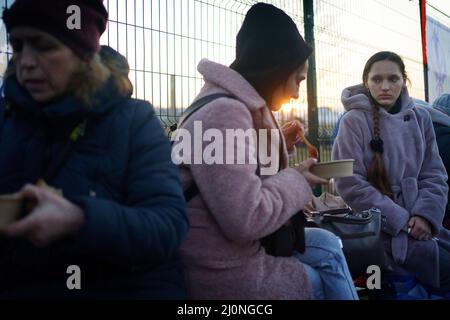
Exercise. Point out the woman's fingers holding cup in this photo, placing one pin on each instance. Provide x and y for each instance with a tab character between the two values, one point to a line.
314	180
305	165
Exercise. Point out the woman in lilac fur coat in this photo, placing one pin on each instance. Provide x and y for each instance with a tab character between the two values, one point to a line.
235	206
397	169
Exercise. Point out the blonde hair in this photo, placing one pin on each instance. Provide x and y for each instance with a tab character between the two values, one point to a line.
376	173
90	77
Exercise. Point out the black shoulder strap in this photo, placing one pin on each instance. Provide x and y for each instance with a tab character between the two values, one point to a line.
197	105
2	114
56	165
4	109
192	191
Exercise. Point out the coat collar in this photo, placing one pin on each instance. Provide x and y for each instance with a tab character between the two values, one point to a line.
222	78
357	97
231	81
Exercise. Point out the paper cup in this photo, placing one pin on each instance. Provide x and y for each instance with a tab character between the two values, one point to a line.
333	169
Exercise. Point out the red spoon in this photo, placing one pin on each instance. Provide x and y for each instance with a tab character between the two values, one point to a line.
313	152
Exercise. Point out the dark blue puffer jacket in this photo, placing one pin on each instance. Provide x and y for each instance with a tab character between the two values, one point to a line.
120	173
443	141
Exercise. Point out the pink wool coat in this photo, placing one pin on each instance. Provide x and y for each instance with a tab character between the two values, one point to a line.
222	253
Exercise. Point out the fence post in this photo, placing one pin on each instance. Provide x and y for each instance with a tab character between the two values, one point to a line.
311	81
172	106
423	24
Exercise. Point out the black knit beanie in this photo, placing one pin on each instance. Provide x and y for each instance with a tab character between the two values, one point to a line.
269	48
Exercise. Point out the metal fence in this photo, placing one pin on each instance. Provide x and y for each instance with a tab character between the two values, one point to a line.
5	52
164	40
347	33
439	14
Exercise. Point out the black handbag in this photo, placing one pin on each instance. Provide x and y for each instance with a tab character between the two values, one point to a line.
288	238
360	233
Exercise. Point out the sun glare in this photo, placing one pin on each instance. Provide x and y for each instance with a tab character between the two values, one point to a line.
294	106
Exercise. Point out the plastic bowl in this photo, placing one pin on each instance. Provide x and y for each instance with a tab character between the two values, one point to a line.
333	169
11	209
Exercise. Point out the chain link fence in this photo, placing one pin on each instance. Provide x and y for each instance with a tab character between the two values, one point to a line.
164	40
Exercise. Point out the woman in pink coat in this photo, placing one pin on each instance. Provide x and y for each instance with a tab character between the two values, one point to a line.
241	202
397	168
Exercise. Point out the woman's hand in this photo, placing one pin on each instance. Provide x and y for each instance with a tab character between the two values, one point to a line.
51	218
419	228
292	132
304	167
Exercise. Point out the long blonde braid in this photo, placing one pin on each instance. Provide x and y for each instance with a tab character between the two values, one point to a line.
376	174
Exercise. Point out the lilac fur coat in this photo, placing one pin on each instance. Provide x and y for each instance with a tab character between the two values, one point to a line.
416	172
222	254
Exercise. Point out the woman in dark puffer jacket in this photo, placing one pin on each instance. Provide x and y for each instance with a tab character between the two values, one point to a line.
66	117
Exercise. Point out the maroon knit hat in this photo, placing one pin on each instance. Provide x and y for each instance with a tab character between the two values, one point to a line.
51	16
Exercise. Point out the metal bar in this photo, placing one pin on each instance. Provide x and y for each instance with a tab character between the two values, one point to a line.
188	52
173	81
311	83
135	52
107	8
7	40
195	45
171	33
423	22
159	39
167	93
117	25
181	56
126	28
151	45
313	120
144	66
438	10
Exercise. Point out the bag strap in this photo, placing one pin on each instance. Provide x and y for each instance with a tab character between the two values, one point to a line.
4	110
59	161
193	190
196	106
56	165
74	137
